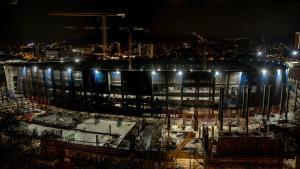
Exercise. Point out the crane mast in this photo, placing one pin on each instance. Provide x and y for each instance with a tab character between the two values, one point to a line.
103	26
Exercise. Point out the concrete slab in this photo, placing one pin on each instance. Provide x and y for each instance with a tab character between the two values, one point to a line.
86	132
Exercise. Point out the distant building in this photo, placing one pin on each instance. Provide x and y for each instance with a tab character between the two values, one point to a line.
52	54
146	50
297	40
116	48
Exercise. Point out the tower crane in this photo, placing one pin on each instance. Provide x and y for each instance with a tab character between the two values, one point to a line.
103	17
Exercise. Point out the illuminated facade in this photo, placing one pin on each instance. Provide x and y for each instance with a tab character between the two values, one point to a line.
150	89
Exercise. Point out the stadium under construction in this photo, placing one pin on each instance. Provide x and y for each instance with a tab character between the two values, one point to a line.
149	87
172	112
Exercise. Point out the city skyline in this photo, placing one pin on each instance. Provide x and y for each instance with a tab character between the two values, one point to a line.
29	20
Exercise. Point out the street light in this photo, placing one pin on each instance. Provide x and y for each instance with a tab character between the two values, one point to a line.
180	73
96	71
69	70
77	60
117	71
153	72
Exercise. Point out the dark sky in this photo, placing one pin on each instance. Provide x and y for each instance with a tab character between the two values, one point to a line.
28	20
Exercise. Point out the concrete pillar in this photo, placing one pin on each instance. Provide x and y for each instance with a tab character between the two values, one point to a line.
247	108
264	101
62	86
195	125
181	95
167	91
281	99
269	102
296	96
45	82
122	90
287	102
212	131
200	132
221	108
109	129
227	86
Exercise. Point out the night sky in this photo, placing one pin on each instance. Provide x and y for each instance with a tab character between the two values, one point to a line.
29	20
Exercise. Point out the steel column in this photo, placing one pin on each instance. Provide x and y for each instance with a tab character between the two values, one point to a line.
269	102
247	89
287	102
264	101
296	96
281	99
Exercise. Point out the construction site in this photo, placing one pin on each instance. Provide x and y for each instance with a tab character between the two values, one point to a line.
210	122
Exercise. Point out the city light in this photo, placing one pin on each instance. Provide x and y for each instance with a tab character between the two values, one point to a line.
153	72
259	53
121	15
180	73
49	69
34	68
158	69
74	50
117	71
278	72
77	60
174	69
217	73
24	71
264	71
191	70
294	52
96	71
69	70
